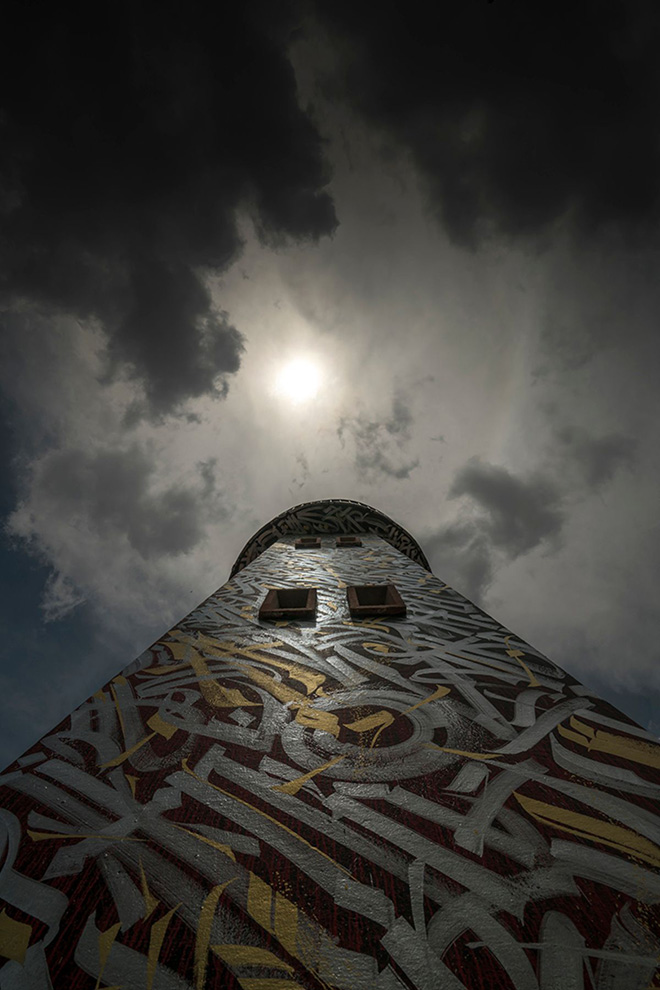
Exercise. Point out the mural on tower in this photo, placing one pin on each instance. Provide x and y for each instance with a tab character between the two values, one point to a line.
418	802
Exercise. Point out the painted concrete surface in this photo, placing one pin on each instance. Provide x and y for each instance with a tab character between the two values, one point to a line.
423	802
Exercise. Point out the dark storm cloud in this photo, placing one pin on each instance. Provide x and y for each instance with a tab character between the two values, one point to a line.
111	493
514	115
598	458
380	444
460	553
505	516
517	514
129	137
513	516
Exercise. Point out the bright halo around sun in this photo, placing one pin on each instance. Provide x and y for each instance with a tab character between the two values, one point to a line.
298	381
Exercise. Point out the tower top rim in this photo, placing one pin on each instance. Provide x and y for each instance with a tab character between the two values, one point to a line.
340	516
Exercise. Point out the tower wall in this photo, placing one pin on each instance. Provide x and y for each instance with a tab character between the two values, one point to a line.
423	801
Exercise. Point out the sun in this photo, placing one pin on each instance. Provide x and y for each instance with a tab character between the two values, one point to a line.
298	381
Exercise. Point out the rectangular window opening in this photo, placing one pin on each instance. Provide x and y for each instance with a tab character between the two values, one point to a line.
292	597
308	542
349	541
375	599
289	603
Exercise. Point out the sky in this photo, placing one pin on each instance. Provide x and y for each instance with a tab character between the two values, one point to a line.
452	216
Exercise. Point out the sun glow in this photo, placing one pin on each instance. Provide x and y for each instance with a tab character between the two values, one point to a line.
298	381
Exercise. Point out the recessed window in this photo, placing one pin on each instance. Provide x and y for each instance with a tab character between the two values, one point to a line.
349	541
289	603
375	599
308	543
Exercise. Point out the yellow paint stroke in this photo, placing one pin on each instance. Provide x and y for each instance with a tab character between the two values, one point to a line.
518	655
293	786
316	718
42	836
378	647
156	936
212	692
312	680
331	570
439	692
228	650
286	923
384	718
151	902
282	622
635	750
204	933
259	902
160	728
222	846
307	716
100	696
119	712
127	753
106	940
275	913
592	829
369	722
234	797
462	752
272	685
332	605
207	643
250	955
132	782
14	938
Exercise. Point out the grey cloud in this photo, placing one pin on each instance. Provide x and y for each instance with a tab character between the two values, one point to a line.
380	444
514	118
129	141
514	515
173	340
303	464
401	419
598	458
374	459
518	514
60	597
461	554
111	493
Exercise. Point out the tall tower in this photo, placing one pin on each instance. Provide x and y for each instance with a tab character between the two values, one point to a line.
336	772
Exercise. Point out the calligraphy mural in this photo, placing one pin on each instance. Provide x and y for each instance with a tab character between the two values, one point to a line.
419	802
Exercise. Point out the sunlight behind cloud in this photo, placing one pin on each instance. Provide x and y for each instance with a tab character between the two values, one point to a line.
298	381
